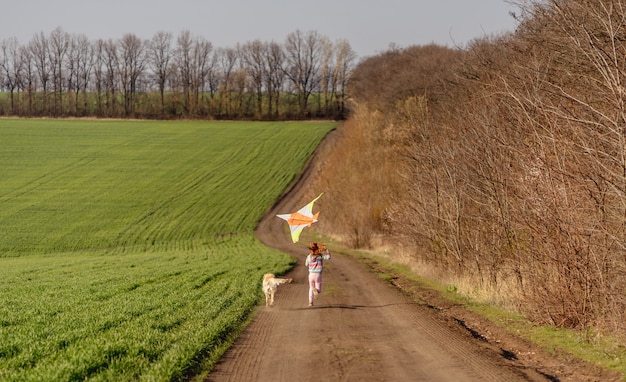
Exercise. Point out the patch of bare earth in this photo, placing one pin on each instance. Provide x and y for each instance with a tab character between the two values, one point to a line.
362	328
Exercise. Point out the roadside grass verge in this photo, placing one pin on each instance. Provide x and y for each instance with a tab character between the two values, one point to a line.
604	351
128	250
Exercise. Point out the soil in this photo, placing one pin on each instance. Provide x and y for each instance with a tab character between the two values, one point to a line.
362	328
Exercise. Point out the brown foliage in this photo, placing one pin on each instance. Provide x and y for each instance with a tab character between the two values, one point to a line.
395	75
513	158
358	192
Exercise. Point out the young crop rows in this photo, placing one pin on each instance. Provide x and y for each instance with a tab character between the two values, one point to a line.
127	250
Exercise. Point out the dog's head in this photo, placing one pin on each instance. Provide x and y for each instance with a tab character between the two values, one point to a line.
268	276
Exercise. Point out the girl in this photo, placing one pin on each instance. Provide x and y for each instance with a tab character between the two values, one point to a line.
315	263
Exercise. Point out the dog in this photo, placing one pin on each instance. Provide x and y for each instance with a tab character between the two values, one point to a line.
270	284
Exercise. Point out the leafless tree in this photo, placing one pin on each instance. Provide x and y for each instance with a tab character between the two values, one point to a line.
302	65
253	55
2	73
227	61
192	62
160	54
98	76
344	64
29	77
274	76
110	61
38	47
132	63
326	73
201	65
58	48
79	64
68	74
183	64
11	67
241	86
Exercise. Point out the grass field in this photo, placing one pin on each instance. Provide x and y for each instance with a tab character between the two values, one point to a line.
127	249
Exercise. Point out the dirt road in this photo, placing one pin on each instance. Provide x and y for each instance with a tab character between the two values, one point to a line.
363	329
359	330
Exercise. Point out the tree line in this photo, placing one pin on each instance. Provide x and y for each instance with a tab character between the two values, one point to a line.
501	164
185	76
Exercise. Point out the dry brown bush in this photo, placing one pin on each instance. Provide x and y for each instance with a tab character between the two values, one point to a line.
511	160
395	75
358	176
569	91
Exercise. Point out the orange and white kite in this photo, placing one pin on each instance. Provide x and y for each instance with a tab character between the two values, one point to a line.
301	219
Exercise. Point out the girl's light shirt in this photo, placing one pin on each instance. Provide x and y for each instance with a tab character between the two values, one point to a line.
316	263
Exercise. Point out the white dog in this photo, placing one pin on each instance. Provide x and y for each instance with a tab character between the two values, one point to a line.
270	284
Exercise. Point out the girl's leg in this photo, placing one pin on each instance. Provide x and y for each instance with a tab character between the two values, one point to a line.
312	279
315	285
318	283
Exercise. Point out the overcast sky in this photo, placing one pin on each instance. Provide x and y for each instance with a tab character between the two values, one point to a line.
369	25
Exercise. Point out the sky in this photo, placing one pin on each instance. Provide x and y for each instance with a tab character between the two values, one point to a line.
370	26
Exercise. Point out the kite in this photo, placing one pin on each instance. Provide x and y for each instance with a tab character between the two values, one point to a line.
301	219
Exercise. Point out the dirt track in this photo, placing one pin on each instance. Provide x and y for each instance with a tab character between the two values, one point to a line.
363	329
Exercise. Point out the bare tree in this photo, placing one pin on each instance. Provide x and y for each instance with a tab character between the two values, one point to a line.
253	55
213	79
193	64
344	64
183	64
59	45
250	80
38	47
29	77
200	68
336	64
160	53
302	63
98	76
110	60
79	66
2	73
11	67
132	63
227	60
274	76
241	86
326	74
86	62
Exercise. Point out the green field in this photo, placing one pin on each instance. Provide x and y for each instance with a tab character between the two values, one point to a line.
127	248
